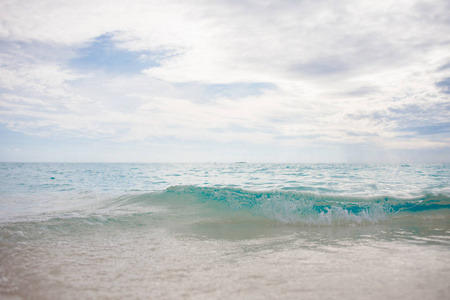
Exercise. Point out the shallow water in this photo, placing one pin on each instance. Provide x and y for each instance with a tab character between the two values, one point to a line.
202	231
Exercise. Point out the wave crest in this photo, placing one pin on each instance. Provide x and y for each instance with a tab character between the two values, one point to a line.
310	208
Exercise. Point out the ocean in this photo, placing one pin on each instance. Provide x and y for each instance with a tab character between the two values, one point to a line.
224	231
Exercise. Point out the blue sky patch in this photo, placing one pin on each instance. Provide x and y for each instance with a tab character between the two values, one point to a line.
438	128
103	54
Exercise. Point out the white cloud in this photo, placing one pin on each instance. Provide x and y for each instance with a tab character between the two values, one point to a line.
341	72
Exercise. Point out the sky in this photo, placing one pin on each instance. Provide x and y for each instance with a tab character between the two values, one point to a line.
223	81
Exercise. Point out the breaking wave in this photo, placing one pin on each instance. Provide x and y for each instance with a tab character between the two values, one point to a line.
195	203
311	208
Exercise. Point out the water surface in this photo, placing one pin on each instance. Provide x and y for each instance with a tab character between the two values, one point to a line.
246	231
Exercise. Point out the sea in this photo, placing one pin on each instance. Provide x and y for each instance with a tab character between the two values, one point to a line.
224	231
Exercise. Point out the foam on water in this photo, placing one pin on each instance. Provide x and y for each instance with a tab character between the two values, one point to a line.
202	231
290	207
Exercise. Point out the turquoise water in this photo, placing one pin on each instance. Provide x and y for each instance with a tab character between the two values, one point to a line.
202	231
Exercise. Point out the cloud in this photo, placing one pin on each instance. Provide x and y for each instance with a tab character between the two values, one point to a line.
290	73
444	85
321	67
